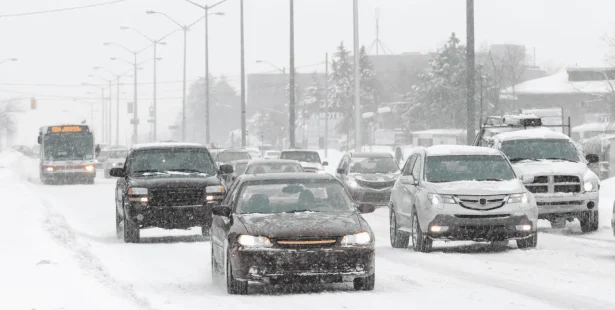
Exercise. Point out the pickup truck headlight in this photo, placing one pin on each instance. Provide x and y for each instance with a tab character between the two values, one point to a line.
436	199
361	238
137	191
519	198
591	186
254	241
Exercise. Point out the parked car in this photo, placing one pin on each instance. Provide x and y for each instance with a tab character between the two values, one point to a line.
272	154
460	193
310	160
273	166
368	176
564	186
291	227
166	185
115	159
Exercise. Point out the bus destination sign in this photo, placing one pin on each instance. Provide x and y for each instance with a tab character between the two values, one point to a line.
69	128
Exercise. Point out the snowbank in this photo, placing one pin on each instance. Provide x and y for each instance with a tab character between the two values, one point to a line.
607	197
42	267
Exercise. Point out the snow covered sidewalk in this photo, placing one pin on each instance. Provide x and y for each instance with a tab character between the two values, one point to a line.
42	266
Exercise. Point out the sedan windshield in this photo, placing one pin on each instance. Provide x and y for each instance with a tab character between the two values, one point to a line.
293	196
536	149
452	168
273	167
226	156
373	165
308	157
171	160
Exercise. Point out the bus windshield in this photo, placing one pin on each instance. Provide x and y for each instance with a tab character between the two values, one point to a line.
68	146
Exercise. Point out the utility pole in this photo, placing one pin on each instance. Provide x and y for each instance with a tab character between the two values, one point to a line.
326	144
291	79
117	112
243	80
184	86
135	115
155	116
207	113
357	78
470	78
110	135
102	112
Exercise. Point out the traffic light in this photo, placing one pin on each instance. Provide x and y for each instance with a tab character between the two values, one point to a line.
33	103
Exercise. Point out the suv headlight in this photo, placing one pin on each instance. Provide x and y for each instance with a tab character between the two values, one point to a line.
352	183
361	238
591	186
519	198
137	191
436	199
254	242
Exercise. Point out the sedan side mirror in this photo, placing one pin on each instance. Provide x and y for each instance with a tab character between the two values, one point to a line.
226	169
117	172
341	171
222	210
366	208
409	180
325	163
592	158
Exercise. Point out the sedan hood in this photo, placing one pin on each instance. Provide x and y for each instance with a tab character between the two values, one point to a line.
173	181
478	188
548	167
374	177
305	224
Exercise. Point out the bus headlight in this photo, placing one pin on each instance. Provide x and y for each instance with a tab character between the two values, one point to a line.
50	168
90	168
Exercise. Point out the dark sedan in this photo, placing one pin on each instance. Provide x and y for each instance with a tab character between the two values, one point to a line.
166	185
291	228
368	176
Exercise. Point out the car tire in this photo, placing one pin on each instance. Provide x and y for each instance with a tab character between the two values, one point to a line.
399	239
420	242
215	272
234	287
132	233
590	220
558	223
118	221
530	242
205	231
365	284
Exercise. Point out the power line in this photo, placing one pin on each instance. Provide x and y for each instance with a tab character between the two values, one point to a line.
61	10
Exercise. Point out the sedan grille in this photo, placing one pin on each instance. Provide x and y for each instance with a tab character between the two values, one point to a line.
306	243
376	185
173	197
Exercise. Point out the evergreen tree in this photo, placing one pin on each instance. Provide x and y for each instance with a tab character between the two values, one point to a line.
370	86
341	88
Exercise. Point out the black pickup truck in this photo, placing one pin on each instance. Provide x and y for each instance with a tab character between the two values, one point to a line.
167	185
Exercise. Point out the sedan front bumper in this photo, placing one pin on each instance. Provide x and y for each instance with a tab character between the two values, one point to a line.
480	228
371	196
275	265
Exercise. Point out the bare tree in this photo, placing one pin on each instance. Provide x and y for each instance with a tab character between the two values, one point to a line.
508	68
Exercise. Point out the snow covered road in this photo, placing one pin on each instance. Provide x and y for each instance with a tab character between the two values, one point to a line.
171	269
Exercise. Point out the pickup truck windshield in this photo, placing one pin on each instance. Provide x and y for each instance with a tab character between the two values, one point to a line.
171	160
452	168
537	149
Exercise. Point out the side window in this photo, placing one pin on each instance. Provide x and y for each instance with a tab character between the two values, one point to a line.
229	193
416	170
409	164
341	164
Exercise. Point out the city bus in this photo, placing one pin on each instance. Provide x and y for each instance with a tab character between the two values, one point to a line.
67	154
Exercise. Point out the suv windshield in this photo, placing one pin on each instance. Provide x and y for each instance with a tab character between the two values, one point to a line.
226	156
373	165
308	157
171	160
535	149
290	196
453	168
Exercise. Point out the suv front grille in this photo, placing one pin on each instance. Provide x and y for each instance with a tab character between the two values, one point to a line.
173	197
482	203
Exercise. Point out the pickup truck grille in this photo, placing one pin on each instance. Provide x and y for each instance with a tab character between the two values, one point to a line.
555	184
173	197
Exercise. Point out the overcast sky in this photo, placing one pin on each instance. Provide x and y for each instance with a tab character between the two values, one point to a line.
62	48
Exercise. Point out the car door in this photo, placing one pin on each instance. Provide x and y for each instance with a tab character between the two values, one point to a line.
403	195
415	191
221	225
342	176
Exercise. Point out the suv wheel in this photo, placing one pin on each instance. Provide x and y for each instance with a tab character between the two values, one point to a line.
530	242
558	223
420	242
234	287
118	221
398	238
590	221
131	230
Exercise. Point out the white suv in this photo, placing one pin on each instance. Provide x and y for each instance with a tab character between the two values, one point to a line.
564	186
458	193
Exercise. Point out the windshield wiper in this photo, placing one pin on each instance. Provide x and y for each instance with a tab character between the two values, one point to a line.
562	159
147	171
300	211
518	159
187	170
497	180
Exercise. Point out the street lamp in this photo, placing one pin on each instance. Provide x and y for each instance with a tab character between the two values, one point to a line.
155	43
7	60
206	8
184	28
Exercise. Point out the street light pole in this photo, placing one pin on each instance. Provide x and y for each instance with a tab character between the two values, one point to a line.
470	64
117	113
243	79
135	118
291	79
357	78
184	86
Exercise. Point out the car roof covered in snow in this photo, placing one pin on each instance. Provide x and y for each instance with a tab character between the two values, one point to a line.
445	150
299	150
371	155
274	161
167	145
534	133
286	176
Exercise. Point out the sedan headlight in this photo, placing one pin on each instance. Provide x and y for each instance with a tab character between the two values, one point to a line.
436	199
519	198
137	191
352	183
591	186
254	242
361	238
